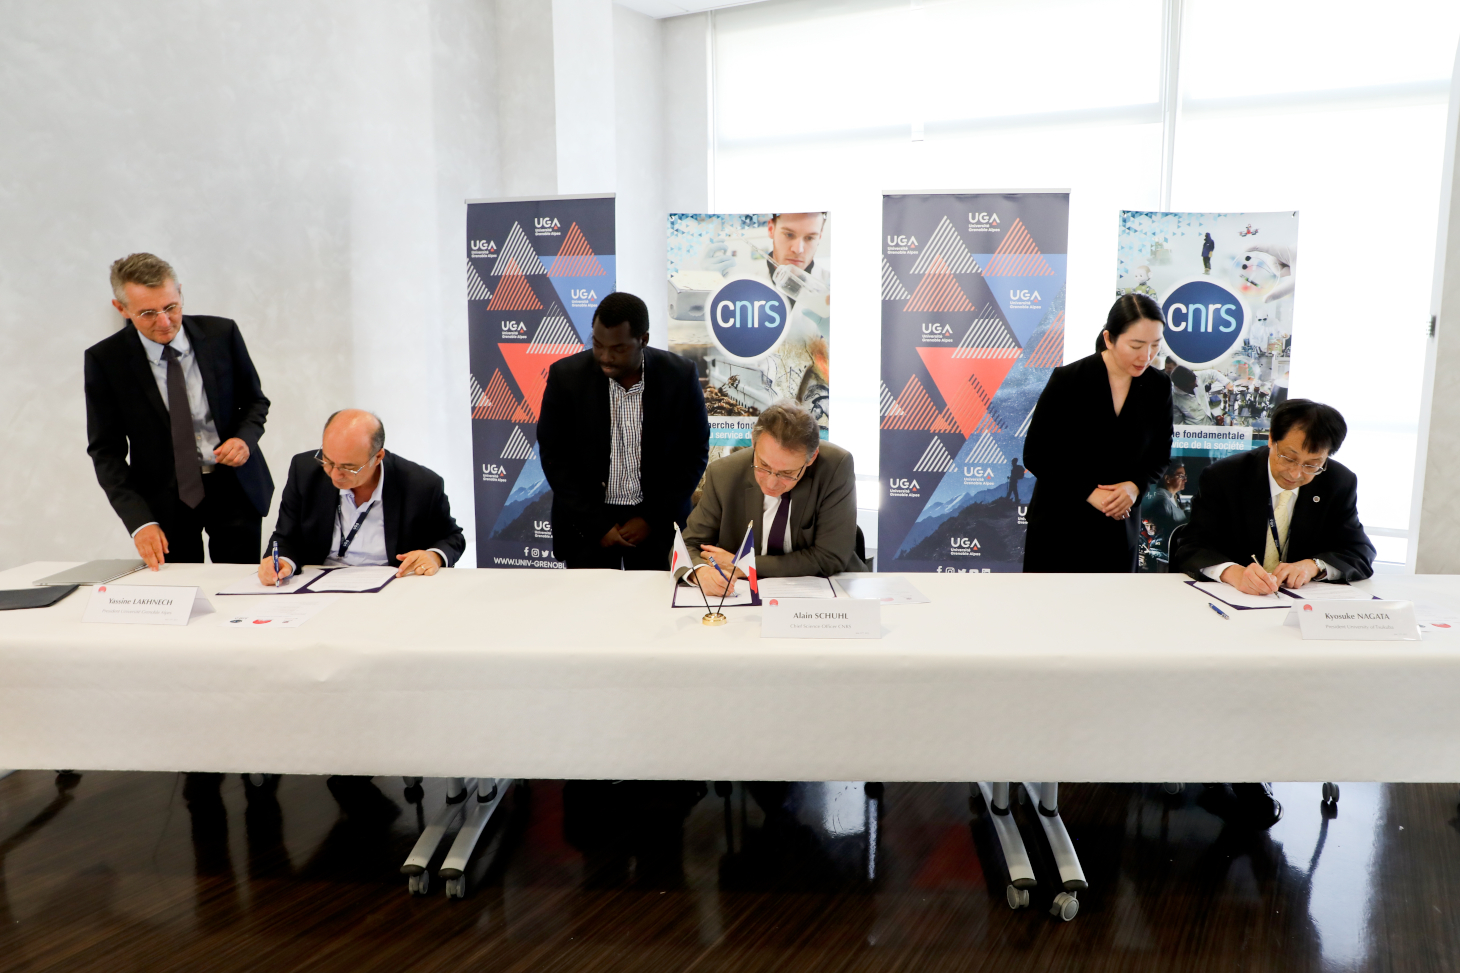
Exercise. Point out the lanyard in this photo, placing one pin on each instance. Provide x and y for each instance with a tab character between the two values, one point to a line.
1278	545
348	539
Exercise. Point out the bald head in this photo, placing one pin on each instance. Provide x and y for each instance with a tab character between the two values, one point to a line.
354	440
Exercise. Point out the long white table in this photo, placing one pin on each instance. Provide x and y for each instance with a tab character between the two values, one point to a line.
522	673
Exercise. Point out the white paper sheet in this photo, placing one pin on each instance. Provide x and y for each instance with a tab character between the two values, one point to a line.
251	585
279	614
887	589
1436	618
803	587
1325	591
688	596
1226	593
357	579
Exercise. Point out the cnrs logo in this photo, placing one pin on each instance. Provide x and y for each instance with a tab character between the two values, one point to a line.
902	240
514	328
546	223
494	473
937	328
1204	321
1024	295
747	317
584	294
483	248
990	219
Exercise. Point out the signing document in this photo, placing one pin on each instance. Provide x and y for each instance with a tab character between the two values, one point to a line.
291	585
366	577
804	587
888	589
1238	599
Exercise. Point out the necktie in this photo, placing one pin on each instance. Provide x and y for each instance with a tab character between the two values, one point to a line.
775	542
1282	515
184	446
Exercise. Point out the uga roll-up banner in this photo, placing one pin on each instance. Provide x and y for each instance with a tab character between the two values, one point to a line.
973	302
535	272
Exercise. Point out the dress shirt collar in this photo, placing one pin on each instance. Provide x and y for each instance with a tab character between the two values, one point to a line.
154	350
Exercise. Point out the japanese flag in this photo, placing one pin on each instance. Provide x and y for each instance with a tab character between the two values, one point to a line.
681	563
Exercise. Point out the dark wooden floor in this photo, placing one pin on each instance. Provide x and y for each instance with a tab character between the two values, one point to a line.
114	874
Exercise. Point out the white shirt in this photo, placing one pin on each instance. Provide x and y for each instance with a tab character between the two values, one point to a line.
626	409
205	433
1215	571
768	517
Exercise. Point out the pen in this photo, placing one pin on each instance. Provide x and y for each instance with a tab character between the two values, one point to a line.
276	564
1219	611
716	565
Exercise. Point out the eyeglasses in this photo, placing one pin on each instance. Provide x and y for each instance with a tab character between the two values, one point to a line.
172	310
789	476
1290	461
331	466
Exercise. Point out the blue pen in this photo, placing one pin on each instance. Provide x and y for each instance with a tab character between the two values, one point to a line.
276	564
1219	611
716	565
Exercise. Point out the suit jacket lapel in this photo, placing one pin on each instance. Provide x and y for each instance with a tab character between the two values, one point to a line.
327	502
390	499
142	370
202	354
754	513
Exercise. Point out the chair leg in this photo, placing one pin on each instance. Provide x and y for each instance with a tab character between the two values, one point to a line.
419	860
489	794
1016	859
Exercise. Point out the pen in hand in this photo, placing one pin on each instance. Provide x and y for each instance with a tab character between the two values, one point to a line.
276	564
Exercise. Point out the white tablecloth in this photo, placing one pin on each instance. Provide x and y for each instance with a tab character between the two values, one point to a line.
521	673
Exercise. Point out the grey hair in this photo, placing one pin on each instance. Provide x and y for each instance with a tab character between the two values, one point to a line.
145	269
377	438
790	424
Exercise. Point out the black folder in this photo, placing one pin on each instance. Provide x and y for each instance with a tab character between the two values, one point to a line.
40	597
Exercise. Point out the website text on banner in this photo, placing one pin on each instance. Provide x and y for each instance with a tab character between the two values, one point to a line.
973	321
1225	285
750	305
535	272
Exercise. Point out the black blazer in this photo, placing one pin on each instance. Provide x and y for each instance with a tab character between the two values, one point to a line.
1076	442
417	513
125	413
573	438
1229	520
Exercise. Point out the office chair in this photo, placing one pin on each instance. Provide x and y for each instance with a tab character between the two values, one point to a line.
1016	860
488	792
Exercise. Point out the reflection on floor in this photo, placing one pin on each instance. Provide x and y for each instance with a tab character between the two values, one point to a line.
114	871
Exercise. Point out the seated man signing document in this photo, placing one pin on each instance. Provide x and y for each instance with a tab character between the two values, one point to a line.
800	492
352	503
1284	514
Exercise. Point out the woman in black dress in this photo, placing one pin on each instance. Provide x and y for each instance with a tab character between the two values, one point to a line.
1099	439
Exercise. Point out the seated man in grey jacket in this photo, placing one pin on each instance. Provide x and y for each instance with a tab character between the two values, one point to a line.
800	492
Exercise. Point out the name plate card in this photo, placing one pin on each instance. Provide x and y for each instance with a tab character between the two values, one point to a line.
138	604
821	618
1358	620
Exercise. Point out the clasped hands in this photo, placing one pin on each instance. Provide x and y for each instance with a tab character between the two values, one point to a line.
415	562
627	534
1254	579
1114	499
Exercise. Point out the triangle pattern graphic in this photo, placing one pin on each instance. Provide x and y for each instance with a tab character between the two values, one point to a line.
495	401
966	384
986	452
576	258
517	256
1050	352
886	403
914	409
529	369
892	288
514	293
476	392
946	244
1023	429
517	446
476	289
935	459
938	291
1017	256
987	423
988	337
555	335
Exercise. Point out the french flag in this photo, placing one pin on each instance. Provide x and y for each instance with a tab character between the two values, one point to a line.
745	557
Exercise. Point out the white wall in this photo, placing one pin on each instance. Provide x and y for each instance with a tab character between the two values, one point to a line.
301	163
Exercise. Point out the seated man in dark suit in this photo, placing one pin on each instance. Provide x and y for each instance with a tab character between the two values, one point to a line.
623	438
800	492
1271	500
352	503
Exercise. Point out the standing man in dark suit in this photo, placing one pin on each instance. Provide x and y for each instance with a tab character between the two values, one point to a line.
624	439
174	413
1269	504
351	503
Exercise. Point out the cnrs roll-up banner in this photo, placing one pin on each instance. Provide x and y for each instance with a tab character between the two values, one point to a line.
535	272
973	300
1225	285
750	305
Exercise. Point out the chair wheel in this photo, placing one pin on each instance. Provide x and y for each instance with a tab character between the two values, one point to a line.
1066	906
1017	898
456	888
1173	788
419	884
1330	793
